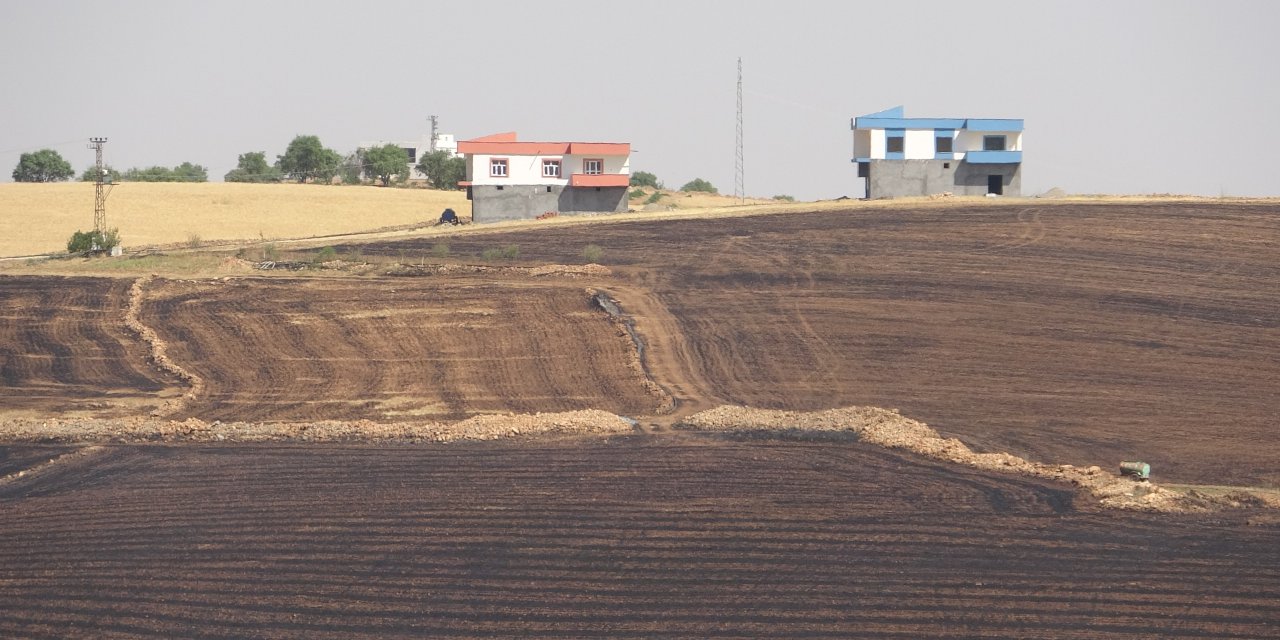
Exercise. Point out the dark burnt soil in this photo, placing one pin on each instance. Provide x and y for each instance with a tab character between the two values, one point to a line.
1067	332
667	536
65	349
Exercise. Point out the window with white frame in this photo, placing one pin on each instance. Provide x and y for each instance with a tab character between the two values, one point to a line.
551	168
593	166
497	167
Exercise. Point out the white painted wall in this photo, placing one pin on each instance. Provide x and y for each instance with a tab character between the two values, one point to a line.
528	169
967	140
919	144
877	144
612	164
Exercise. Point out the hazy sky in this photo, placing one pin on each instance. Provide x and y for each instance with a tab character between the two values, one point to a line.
1118	97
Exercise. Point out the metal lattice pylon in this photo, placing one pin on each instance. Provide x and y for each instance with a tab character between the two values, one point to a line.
739	175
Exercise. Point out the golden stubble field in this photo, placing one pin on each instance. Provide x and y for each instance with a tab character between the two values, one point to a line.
38	218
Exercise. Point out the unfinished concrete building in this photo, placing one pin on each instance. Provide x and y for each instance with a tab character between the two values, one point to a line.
900	156
511	180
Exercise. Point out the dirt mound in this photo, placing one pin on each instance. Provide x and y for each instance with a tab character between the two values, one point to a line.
159	350
890	429
481	427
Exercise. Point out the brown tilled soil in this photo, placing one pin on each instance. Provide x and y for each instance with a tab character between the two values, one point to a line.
393	350
1065	333
673	536
1060	332
66	350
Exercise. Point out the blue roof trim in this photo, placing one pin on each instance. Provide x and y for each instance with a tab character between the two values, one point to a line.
895	118
993	157
866	122
894	112
995	124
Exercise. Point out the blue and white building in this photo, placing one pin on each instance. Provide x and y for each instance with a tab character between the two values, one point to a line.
900	156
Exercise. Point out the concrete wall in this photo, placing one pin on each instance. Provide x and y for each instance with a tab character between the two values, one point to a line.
489	203
904	178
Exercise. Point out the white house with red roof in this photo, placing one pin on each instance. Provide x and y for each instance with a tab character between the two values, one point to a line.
511	180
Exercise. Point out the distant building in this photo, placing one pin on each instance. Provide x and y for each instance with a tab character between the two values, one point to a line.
902	156
510	180
418	148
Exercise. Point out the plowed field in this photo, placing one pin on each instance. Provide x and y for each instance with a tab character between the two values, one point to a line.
315	349
1067	332
633	537
65	350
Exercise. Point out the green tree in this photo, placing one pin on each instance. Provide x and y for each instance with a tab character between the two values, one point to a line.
91	174
700	185
645	179
187	172
443	171
386	162
149	174
307	159
45	165
253	167
352	169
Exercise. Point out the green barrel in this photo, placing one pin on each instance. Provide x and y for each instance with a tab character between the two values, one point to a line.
1139	470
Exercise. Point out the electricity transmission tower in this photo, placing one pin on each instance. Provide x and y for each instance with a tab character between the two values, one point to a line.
739	179
101	186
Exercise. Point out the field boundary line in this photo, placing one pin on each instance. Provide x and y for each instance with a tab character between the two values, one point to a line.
36	469
159	350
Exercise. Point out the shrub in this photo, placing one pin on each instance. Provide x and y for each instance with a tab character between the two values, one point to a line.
84	241
440	250
784	198
699	185
637	193
193	241
644	179
592	253
657	195
509	252
269	252
327	254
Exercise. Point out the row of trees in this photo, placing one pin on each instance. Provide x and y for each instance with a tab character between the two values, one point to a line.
47	165
306	159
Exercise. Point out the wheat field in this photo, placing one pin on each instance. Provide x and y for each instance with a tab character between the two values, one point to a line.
39	218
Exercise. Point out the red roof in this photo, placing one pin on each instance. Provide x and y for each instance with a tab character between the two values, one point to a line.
506	144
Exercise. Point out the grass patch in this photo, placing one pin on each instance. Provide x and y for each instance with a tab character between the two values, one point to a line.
592	253
509	252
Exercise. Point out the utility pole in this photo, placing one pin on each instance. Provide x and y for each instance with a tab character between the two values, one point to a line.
101	186
435	121
739	177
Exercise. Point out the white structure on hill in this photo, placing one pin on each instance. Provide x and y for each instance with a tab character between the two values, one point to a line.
508	179
418	148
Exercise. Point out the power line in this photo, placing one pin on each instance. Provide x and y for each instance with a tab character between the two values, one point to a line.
41	146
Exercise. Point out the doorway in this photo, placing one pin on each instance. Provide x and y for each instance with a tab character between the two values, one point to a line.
995	184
